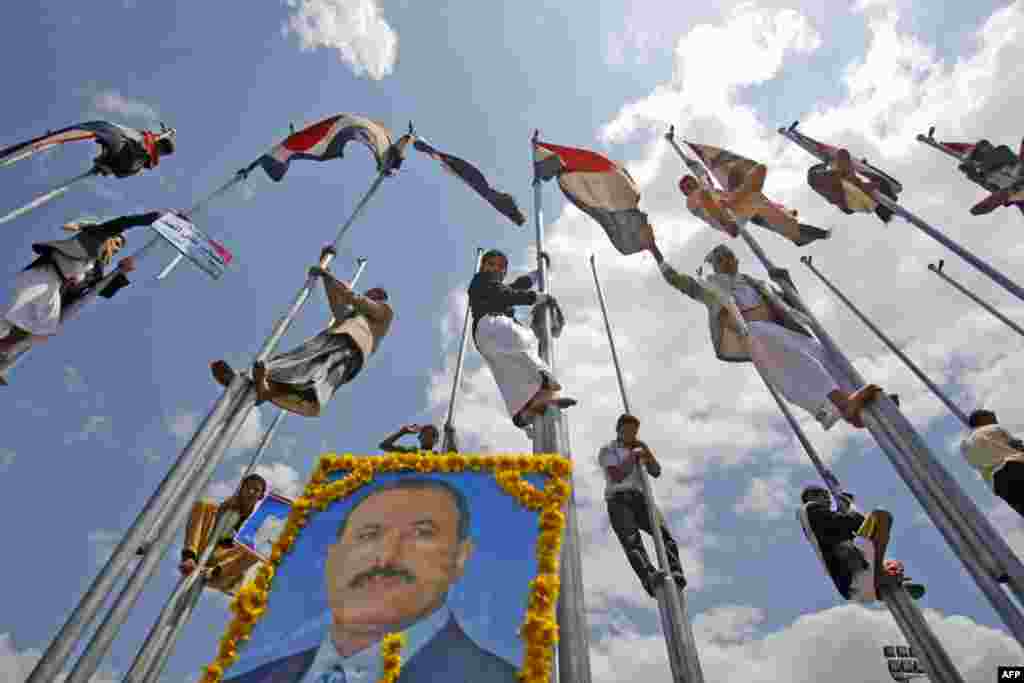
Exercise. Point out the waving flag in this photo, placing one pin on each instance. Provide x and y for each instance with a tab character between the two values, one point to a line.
471	175
326	140
601	189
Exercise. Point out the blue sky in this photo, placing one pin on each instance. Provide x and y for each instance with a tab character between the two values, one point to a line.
95	418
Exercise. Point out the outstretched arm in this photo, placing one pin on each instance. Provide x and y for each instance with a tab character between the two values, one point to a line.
388	444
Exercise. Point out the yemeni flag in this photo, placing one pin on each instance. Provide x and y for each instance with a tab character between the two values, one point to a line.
471	175
601	189
326	140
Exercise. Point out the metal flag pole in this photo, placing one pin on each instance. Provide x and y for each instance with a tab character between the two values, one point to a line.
682	649
190	459
44	198
164	655
163	635
970	295
1006	283
953	408
551	436
200	205
448	442
922	639
985	554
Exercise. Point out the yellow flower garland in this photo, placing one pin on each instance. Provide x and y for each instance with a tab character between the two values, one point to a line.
539	629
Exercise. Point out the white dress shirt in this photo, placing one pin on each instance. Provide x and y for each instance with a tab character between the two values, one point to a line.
614	453
367	665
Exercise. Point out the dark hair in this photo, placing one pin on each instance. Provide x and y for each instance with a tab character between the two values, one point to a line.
812	492
493	253
624	418
461	504
383	292
975	417
249	477
165	146
431	428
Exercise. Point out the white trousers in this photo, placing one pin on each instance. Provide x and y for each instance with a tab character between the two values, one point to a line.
797	366
510	351
36	303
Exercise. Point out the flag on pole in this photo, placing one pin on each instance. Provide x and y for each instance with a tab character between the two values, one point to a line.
601	189
326	140
471	175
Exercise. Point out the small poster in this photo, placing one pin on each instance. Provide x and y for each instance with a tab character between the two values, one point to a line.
183	235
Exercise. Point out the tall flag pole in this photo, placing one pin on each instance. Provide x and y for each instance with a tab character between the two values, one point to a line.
937	269
180	488
820	151
953	408
552	436
448	442
984	553
682	648
48	196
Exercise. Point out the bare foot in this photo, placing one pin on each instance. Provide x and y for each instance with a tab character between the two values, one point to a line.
259	378
856	402
222	372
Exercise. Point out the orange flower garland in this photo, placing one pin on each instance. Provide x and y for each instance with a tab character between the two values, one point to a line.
539	629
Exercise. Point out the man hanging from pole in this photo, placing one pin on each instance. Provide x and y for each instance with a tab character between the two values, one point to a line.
509	348
998	457
851	546
427	435
62	280
838	182
620	461
751	323
304	379
230	561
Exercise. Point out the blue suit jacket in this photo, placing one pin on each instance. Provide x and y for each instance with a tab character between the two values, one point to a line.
451	656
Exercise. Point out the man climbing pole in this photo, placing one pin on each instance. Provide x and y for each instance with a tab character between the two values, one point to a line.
509	348
838	182
55	287
427	435
227	566
134	150
751	323
304	379
997	455
620	460
851	546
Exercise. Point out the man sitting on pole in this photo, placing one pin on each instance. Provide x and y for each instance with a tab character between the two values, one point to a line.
998	456
304	379
850	545
427	435
839	183
750	322
509	348
627	507
229	563
61	282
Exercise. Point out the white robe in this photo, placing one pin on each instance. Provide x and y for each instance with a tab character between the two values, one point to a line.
510	350
797	366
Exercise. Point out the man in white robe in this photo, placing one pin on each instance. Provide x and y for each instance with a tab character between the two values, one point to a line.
751	323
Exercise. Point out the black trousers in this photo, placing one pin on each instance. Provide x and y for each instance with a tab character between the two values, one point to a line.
628	514
1008	484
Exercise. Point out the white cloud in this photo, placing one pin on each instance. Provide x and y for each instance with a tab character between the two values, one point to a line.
355	28
98	427
766	497
7	458
184	424
15	665
111	101
842	644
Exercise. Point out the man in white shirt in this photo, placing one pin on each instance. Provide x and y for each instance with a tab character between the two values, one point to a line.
998	456
397	554
627	508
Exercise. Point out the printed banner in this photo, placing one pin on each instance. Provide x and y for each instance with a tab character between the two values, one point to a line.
184	236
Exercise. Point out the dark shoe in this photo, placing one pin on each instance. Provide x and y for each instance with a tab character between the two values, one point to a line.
990	203
916	590
222	372
679	579
562	403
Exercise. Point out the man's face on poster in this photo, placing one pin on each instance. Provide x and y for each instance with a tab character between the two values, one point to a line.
395	560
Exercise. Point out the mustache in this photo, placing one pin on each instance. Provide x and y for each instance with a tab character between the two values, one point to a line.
385	572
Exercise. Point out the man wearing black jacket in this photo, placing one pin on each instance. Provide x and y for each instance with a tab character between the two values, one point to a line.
527	384
57	285
857	569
